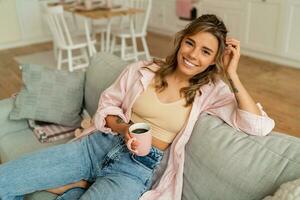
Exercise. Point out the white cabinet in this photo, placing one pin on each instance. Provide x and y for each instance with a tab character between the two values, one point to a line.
263	25
23	23
9	31
231	12
291	35
156	15
267	29
31	20
163	17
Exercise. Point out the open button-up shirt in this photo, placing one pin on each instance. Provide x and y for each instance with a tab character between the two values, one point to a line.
215	99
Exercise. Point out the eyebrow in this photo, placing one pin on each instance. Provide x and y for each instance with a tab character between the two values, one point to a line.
206	48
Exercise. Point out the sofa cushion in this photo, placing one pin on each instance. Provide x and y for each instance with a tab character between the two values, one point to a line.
223	163
15	144
102	72
49	95
6	124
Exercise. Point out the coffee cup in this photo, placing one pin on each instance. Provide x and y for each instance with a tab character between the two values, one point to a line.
140	132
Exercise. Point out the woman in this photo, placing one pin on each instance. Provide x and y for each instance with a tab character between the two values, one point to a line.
188	83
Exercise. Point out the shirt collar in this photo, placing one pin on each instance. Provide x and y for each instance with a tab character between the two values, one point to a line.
147	74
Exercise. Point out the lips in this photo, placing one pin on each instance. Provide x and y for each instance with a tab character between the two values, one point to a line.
188	63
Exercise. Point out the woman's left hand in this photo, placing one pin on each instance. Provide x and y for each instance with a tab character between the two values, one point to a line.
231	56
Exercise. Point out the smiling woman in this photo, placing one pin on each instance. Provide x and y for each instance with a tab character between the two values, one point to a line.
169	95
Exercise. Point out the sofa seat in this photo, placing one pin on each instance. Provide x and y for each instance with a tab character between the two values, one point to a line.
14	144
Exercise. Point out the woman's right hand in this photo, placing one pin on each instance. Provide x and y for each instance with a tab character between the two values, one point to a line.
128	136
118	125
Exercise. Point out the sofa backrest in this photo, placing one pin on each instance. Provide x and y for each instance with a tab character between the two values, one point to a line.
220	162
102	72
223	163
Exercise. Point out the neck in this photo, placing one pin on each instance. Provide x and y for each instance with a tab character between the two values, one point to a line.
179	78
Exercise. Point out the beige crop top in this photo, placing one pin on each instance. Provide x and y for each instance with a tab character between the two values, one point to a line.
165	119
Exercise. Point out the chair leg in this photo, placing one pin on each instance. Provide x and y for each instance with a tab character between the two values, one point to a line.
94	51
59	59
84	52
123	47
146	49
55	51
70	60
102	41
113	42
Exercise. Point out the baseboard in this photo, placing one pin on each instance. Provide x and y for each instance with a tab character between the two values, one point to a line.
24	43
272	58
161	31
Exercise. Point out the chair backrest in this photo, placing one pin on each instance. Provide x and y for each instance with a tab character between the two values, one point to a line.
58	26
141	19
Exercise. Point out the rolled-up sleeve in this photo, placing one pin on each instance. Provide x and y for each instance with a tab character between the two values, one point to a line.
110	102
224	106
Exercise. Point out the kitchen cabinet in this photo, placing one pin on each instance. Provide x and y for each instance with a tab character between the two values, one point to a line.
291	31
157	16
31	20
9	31
23	22
231	12
263	25
267	29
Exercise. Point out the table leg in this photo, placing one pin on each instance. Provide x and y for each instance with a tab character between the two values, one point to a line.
88	37
108	30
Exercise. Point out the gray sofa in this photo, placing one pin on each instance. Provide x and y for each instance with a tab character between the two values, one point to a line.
220	162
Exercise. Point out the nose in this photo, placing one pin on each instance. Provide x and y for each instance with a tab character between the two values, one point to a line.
193	54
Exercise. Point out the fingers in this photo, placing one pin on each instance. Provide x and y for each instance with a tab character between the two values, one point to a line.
127	136
134	144
233	43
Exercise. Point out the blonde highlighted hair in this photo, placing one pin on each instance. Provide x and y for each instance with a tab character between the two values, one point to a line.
205	23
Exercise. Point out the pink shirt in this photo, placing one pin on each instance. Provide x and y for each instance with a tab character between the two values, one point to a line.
216	99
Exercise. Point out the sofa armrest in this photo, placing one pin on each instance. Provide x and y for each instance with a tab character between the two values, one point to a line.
6	124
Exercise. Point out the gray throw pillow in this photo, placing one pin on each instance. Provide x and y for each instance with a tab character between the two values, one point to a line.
49	95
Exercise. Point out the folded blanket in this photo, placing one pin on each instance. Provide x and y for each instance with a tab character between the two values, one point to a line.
49	132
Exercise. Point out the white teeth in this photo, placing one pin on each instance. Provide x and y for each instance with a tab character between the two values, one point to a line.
188	63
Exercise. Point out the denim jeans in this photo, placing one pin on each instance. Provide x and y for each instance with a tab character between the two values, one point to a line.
100	158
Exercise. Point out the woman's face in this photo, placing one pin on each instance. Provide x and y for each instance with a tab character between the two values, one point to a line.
196	53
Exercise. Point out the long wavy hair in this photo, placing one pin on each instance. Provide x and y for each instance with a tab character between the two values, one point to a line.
205	23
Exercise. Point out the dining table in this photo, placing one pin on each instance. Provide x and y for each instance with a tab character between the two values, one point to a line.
103	13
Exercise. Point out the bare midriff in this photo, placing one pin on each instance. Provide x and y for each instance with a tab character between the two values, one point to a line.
161	145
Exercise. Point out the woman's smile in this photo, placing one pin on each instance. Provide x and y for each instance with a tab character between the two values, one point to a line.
188	63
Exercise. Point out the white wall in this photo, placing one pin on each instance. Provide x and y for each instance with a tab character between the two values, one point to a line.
267	29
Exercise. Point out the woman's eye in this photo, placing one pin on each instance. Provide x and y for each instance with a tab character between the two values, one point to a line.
189	42
206	52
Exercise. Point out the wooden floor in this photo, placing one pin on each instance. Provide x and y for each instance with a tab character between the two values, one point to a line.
275	86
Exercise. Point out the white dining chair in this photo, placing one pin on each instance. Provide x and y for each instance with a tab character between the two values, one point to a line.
99	27
140	21
66	42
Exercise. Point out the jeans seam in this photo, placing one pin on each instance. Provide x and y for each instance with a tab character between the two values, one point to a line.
83	159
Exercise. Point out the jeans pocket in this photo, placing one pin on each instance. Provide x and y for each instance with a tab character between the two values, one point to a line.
146	162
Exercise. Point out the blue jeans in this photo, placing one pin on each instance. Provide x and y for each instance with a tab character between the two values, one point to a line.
100	158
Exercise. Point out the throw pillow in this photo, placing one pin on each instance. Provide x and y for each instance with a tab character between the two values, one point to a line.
287	191
49	95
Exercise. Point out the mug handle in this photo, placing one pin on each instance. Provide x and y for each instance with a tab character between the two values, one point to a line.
129	145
